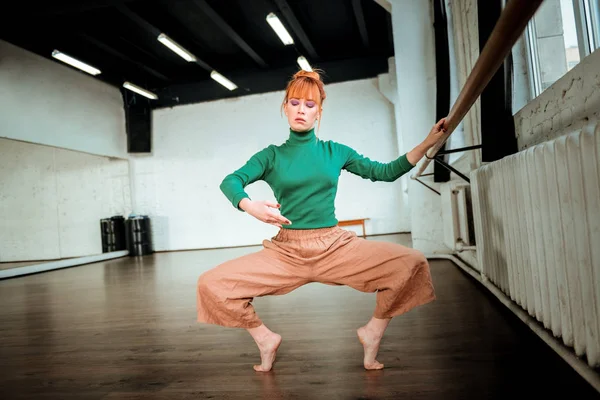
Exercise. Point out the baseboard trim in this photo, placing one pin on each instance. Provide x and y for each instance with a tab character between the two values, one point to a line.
579	365
70	262
387	234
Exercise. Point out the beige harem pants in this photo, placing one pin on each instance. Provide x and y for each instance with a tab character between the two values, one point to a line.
334	256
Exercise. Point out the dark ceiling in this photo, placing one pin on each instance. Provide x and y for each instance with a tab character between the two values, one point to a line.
348	39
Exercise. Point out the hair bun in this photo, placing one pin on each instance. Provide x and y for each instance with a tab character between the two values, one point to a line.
308	74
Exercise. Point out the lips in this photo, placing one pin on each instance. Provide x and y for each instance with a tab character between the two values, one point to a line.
300	120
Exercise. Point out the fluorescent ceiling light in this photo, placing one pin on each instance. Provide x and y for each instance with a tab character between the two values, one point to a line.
75	63
304	64
279	29
176	48
222	80
137	89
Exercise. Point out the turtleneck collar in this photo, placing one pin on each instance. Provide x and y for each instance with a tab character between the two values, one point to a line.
301	138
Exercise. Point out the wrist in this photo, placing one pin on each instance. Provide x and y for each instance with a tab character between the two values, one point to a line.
425	146
244	203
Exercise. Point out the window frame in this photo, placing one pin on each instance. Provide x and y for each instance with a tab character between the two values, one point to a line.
587	19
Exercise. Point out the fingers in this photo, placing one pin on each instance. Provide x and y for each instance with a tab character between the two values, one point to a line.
284	220
440	124
281	219
275	216
271	214
274	222
278	221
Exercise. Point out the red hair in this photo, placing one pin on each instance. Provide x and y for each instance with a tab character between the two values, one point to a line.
306	85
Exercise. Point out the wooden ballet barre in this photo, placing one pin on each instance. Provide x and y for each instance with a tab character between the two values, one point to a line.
358	221
508	29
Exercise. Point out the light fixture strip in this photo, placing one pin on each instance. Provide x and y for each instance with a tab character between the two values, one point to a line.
59	55
279	29
176	48
139	90
222	80
303	62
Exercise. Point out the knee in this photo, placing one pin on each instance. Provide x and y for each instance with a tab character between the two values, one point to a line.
206	283
418	258
412	257
413	263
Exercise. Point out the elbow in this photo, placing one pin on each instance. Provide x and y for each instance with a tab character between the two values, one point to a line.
225	184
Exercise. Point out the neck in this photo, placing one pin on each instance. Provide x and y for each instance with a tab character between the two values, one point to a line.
299	138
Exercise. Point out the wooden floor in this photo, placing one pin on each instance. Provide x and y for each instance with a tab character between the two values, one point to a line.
125	329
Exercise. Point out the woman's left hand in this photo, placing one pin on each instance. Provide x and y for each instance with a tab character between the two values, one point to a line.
435	134
415	155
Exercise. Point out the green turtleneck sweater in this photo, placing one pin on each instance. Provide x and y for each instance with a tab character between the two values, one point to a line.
303	173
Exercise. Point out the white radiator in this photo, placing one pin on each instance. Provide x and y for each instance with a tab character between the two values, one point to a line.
537	228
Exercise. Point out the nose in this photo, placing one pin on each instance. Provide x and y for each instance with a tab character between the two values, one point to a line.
301	108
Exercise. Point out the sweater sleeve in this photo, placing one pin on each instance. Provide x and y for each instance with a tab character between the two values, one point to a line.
375	171
255	169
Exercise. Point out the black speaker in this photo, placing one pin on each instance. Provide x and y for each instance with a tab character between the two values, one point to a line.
139	236
138	119
113	234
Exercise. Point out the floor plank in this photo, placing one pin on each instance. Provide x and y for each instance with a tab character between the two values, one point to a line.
125	329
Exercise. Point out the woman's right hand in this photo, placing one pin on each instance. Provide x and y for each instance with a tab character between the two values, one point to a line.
264	211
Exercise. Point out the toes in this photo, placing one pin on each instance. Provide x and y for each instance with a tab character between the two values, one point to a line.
373	366
260	368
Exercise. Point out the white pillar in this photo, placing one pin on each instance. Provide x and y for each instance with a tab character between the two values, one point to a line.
414	53
388	87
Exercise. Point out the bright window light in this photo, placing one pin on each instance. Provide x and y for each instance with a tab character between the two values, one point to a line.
176	48
139	90
222	80
304	64
59	55
279	29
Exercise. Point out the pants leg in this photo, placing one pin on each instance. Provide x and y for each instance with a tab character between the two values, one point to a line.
400	275
225	293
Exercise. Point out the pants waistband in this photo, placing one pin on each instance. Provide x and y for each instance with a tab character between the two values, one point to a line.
298	234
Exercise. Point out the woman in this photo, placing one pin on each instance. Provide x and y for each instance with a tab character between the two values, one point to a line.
303	173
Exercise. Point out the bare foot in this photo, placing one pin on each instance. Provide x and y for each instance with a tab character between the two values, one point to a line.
370	343
268	350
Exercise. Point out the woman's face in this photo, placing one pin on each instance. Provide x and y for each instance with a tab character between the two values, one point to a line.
301	113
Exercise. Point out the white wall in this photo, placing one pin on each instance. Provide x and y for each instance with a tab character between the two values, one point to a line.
52	200
570	103
196	146
414	50
45	102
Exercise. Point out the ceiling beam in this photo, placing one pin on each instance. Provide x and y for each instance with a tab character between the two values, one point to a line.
287	12
141	22
52	8
360	21
262	81
229	31
103	46
153	30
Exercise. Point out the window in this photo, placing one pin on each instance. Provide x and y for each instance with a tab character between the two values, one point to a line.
559	36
